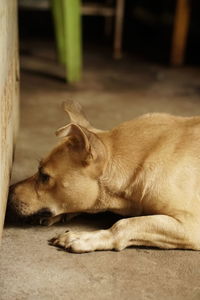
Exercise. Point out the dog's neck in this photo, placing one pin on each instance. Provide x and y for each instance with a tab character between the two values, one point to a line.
113	195
115	192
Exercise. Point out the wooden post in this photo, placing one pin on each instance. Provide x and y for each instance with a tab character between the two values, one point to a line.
9	92
180	32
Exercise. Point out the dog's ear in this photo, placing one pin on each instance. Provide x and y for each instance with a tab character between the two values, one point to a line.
83	142
77	116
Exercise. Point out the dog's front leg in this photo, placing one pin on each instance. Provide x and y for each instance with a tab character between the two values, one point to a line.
154	231
159	231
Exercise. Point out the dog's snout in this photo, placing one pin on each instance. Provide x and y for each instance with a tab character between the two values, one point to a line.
24	202
15	205
15	190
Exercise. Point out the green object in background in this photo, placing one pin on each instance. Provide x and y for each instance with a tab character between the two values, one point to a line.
58	17
67	20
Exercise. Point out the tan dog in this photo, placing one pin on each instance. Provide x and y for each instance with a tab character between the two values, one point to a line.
148	168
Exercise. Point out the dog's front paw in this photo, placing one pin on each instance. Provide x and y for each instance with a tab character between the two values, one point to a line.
73	241
80	242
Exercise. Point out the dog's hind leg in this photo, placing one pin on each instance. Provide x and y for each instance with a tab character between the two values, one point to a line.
154	231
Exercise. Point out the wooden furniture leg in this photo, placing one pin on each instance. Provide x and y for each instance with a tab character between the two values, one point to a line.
119	18
180	32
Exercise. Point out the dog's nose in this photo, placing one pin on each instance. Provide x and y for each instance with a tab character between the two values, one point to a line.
12	187
11	192
10	211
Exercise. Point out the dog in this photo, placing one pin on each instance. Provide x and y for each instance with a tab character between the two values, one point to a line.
147	170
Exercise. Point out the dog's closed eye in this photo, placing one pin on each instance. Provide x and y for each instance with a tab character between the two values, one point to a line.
43	177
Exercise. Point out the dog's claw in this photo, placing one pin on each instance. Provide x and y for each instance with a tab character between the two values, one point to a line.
52	241
44	222
49	221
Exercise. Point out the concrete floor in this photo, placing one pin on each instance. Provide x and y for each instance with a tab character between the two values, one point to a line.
111	92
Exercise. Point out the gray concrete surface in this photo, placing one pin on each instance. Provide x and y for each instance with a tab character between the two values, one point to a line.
111	92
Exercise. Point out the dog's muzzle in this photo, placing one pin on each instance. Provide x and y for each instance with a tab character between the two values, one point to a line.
19	209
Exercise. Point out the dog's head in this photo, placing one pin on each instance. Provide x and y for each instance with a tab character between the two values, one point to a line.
67	179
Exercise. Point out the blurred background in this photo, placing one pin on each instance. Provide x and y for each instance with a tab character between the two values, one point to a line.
163	32
147	27
118	58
